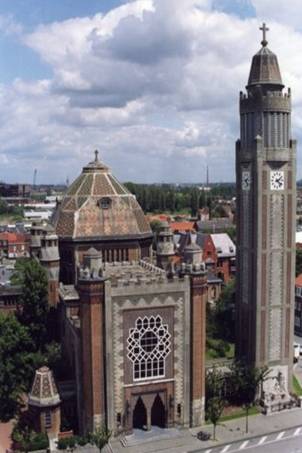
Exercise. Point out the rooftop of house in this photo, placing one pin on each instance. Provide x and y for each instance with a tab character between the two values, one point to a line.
217	224
299	281
182	226
14	238
224	245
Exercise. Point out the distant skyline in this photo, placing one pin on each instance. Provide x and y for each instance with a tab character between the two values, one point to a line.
154	85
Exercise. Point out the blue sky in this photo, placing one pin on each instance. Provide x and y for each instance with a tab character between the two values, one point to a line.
21	61
152	83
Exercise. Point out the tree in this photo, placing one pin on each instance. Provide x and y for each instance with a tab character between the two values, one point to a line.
245	382
194	202
215	408
232	232
17	362
101	437
33	312
155	226
224	312
215	402
27	439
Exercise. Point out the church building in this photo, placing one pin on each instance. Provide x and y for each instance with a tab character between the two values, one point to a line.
133	331
266	206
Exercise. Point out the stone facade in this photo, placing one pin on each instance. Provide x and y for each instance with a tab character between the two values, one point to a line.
132	333
266	196
142	337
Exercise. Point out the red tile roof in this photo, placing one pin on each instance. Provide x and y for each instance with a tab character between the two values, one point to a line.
160	217
299	280
12	238
182	226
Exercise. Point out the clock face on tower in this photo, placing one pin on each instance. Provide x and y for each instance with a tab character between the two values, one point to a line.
246	180
277	180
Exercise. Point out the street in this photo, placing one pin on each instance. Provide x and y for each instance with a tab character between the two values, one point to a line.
289	440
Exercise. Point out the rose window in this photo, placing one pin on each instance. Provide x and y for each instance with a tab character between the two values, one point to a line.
148	345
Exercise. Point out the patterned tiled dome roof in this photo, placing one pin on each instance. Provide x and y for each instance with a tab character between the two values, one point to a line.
44	391
96	205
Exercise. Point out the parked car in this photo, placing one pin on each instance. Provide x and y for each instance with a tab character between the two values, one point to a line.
203	435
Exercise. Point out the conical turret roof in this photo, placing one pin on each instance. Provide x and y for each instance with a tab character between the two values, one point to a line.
265	67
44	392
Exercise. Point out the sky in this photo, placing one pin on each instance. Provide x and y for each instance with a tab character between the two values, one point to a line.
152	84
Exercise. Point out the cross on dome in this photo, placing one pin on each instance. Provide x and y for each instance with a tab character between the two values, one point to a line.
96	155
264	29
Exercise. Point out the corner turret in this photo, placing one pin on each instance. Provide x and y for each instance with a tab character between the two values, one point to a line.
50	259
164	246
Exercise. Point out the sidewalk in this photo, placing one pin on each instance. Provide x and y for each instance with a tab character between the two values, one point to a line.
227	432
5	432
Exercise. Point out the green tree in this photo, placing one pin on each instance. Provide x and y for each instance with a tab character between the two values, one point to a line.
155	226
17	362
215	396
215	408
34	309
194	202
231	231
224	312
53	355
27	439
245	383
5	209
101	437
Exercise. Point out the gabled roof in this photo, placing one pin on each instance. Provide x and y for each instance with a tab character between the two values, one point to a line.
224	245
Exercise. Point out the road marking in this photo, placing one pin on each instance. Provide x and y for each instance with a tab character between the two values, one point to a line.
225	449
243	445
280	435
297	431
262	440
208	451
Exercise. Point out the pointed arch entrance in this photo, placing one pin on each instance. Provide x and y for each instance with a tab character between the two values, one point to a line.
139	415
158	413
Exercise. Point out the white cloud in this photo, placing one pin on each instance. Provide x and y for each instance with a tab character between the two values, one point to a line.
9	26
154	85
279	11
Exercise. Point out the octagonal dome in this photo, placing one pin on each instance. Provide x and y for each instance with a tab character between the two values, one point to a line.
265	69
98	206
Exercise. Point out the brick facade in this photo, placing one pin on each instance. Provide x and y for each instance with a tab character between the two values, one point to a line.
92	352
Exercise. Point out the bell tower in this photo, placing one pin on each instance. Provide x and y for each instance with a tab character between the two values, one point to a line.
266	203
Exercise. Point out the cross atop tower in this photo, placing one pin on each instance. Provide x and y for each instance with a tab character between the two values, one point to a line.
264	29
96	159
